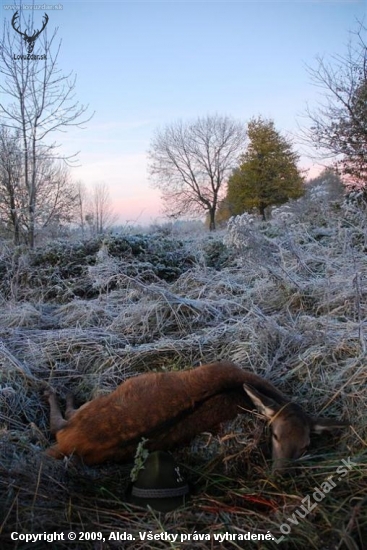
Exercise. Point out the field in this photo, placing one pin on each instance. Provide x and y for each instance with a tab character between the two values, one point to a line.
286	299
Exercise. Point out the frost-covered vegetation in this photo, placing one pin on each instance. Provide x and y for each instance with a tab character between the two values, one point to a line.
286	299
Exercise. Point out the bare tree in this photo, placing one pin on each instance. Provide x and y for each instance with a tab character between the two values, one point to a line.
55	200
190	162
100	215
40	102
339	125
82	205
56	194
11	176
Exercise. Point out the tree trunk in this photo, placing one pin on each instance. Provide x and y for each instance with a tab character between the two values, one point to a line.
212	219
31	230
262	211
13	211
15	223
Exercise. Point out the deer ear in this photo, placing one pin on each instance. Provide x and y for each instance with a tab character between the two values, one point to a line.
267	406
320	425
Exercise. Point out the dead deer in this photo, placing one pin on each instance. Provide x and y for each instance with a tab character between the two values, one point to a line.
170	408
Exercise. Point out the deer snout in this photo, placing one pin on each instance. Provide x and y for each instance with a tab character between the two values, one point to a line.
285	450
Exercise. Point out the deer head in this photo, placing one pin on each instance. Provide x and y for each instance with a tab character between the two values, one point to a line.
291	427
30	40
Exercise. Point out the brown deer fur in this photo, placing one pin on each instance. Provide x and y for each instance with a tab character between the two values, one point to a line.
170	408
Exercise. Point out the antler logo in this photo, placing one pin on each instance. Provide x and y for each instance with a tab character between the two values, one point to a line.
29	39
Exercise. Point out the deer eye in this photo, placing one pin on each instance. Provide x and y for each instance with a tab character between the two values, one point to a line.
275	437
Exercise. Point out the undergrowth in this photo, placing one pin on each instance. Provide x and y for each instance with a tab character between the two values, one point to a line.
286	299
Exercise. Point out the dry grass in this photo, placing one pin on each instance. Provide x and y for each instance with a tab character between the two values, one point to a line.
294	312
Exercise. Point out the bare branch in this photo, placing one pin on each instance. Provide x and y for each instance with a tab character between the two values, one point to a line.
339	125
190	163
38	101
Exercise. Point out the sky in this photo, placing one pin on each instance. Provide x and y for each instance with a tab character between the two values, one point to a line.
143	65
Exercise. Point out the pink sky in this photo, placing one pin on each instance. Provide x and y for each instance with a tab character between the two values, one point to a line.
132	197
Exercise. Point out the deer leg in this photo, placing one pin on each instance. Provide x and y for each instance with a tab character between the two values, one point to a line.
57	422
70	406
